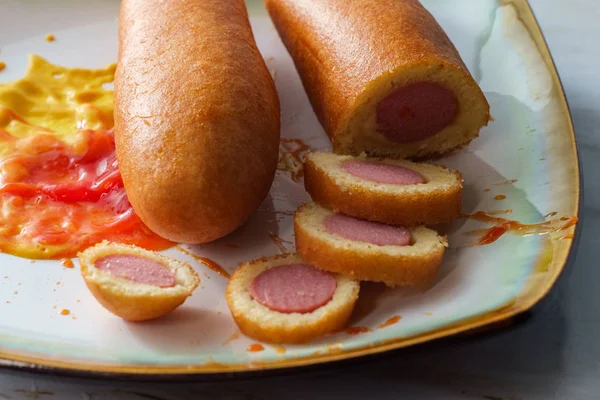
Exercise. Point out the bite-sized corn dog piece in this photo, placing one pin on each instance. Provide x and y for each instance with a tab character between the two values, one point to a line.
396	192
368	251
134	283
282	299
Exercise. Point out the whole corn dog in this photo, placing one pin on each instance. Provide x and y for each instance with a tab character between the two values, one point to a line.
196	116
382	76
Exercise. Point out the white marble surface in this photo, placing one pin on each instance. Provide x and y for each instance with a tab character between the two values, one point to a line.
553	354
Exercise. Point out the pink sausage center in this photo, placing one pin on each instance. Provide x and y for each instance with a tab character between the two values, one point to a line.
137	269
382	173
294	288
367	231
415	112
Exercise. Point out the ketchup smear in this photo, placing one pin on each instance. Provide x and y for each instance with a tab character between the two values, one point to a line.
59	198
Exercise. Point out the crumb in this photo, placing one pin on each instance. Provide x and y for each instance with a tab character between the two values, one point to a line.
65	311
7	302
31	261
18	283
58	282
15	292
50	38
2	66
53	307
5	276
77	301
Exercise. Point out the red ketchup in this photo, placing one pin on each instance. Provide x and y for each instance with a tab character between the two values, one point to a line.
59	198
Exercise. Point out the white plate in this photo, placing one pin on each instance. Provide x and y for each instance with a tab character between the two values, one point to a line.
531	140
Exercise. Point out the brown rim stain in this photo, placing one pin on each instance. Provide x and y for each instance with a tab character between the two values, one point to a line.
331	348
335	348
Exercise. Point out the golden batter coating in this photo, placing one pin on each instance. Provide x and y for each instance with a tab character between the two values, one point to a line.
434	202
353	54
196	116
415	265
262	323
130	300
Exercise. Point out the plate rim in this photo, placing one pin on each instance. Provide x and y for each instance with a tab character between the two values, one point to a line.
22	360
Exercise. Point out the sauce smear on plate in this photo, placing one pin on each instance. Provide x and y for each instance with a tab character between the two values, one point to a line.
503	225
60	186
